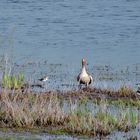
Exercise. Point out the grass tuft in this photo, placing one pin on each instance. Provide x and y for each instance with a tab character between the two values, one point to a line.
125	91
13	81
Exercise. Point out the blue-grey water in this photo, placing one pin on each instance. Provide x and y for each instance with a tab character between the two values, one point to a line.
51	36
43	136
40	37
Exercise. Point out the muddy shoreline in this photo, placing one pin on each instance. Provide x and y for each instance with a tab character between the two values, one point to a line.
94	93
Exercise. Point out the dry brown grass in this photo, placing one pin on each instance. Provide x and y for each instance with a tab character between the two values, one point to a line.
30	110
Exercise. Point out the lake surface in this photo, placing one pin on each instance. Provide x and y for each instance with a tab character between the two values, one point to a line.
44	136
52	36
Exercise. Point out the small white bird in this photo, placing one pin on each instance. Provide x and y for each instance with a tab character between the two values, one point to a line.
84	77
44	79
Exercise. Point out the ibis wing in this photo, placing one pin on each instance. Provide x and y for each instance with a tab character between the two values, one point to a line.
91	79
78	78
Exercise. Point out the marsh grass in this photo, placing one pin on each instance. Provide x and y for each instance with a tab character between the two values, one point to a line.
128	120
125	91
13	81
43	111
125	103
29	111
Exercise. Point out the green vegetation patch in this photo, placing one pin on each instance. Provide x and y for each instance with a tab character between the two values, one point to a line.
13	81
29	111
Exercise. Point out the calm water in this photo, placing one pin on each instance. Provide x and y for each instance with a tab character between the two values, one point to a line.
51	36
43	136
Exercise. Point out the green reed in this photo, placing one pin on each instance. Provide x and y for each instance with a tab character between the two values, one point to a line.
13	81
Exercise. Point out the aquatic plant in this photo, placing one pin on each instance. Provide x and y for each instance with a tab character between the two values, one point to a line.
44	110
127	120
13	81
125	91
125	102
